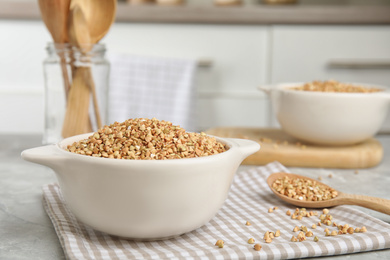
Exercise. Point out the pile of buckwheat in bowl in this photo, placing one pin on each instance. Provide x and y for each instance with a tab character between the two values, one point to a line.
335	86
146	139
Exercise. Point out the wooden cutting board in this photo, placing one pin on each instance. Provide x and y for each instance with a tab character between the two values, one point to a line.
278	146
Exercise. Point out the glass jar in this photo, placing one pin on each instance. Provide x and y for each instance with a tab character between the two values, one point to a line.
76	90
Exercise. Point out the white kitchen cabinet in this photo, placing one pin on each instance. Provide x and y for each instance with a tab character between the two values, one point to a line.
227	91
22	52
242	57
358	54
233	111
238	53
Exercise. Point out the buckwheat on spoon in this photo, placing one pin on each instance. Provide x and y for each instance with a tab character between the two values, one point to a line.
309	193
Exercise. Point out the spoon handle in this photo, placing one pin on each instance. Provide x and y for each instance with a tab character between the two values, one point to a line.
378	204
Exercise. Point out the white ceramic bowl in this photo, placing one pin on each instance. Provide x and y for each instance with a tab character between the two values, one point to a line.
327	118
143	199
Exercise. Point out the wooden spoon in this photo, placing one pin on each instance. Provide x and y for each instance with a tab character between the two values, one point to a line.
76	116
78	30
77	111
55	16
378	204
99	16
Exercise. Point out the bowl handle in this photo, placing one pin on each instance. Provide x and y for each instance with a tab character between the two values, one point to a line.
246	147
46	155
266	88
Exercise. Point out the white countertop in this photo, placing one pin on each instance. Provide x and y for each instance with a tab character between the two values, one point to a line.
27	233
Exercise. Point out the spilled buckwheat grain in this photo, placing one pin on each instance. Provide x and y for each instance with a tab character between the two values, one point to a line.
257	247
146	139
219	243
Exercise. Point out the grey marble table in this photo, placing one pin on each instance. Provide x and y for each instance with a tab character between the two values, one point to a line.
27	233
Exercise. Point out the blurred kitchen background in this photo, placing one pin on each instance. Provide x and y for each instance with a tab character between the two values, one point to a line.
234	48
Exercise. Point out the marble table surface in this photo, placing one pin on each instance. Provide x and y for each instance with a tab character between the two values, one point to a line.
27	233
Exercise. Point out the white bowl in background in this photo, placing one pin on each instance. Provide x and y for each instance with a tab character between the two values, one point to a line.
328	118
143	199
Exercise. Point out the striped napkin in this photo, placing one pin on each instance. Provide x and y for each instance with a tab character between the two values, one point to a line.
147	87
249	200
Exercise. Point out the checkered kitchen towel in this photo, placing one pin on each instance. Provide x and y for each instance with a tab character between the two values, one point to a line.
146	87
249	200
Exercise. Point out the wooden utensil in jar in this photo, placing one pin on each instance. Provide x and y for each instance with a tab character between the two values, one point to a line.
91	22
54	14
99	15
77	110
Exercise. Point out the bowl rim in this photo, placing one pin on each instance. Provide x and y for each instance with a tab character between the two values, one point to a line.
60	147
